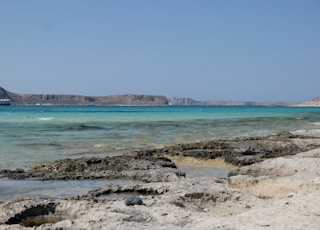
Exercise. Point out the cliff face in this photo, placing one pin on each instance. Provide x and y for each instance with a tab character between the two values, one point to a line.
182	101
3	93
56	99
59	99
131	99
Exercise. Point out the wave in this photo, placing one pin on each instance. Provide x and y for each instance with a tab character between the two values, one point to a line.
109	147
316	123
45	118
89	149
257	133
307	132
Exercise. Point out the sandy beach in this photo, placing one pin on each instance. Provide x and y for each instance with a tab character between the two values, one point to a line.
281	191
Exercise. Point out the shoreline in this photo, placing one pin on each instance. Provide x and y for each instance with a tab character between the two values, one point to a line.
274	183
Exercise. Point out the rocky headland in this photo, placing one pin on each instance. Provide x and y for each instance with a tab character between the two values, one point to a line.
60	99
273	183
128	99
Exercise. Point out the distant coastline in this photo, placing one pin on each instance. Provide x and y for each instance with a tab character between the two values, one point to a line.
131	100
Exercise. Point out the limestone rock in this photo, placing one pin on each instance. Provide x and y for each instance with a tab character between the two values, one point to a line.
277	193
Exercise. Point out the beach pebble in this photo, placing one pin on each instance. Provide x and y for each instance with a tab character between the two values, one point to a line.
133	200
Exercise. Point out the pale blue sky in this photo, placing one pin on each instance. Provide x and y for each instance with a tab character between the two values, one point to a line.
267	50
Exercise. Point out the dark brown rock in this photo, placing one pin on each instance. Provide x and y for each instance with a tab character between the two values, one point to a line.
239	151
147	169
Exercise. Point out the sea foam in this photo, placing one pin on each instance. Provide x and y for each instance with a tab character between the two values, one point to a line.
307	132
45	118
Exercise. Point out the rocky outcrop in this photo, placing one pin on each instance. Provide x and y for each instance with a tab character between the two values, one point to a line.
151	165
143	168
274	193
239	151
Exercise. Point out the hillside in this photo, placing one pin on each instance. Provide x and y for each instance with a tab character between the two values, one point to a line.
131	99
60	99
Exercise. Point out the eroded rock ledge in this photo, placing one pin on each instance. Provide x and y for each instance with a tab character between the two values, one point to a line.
280	190
265	201
140	168
154	165
238	151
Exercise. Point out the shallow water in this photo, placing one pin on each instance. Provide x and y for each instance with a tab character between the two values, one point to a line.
16	189
204	171
33	134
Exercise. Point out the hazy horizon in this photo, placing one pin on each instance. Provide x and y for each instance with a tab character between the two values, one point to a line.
205	50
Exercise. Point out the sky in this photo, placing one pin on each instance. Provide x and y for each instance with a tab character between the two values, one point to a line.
258	50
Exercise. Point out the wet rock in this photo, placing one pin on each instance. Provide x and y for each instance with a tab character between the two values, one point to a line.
246	160
239	151
128	190
144	168
133	200
265	194
35	215
154	165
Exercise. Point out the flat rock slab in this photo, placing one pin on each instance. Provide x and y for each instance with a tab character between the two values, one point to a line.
239	151
263	201
153	165
141	168
279	193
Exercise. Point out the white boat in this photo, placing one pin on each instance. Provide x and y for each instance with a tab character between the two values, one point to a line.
5	102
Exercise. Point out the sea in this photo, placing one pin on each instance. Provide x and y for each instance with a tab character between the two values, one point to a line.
35	134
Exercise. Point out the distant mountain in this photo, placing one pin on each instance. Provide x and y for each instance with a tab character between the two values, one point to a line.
130	99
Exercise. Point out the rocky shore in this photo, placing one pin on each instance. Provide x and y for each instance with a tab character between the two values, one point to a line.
273	183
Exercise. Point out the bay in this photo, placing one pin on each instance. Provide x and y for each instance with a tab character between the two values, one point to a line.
32	134
36	134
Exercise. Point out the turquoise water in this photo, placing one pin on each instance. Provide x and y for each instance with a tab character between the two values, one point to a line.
34	134
31	134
